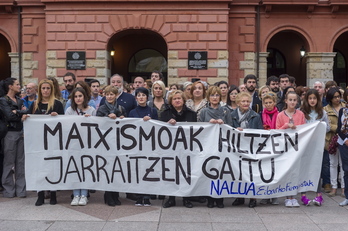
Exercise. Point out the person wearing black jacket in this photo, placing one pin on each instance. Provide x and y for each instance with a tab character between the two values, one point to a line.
12	106
177	112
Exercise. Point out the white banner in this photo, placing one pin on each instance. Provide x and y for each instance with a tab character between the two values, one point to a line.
189	159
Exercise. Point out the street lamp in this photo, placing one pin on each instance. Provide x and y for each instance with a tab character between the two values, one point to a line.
112	52
302	52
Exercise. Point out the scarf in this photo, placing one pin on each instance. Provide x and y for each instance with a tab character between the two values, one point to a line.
243	118
112	108
269	118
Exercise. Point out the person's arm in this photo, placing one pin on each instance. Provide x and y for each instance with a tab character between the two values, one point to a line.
10	115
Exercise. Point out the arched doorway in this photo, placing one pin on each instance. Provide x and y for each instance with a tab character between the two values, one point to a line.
340	61
138	52
5	60
284	55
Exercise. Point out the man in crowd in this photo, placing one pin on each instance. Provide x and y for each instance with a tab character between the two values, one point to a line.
250	82
94	84
31	96
273	83
156	75
138	82
284	82
69	81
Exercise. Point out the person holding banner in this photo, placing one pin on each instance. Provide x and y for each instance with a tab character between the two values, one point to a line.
158	101
333	97
342	130
313	110
215	114
79	106
290	117
269	118
178	112
147	113
46	104
198	100
112	110
13	109
244	117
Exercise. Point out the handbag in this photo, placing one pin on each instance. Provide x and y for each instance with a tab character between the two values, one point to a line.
333	145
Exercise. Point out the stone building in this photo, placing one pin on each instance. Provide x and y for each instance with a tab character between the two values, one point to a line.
239	37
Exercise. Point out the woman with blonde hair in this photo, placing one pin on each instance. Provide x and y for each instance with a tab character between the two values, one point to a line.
46	104
158	97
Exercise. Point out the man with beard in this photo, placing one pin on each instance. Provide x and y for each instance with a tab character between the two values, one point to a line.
250	82
273	83
69	81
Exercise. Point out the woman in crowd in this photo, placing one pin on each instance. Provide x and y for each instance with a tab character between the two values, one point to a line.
223	85
158	101
290	117
57	92
281	103
187	90
178	112
333	97
313	111
198	101
301	92
84	85
112	110
269	118
244	117
147	113
79	106
13	109
263	91
46	104
231	99
215	114
342	130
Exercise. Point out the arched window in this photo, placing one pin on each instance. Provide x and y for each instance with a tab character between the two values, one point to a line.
145	61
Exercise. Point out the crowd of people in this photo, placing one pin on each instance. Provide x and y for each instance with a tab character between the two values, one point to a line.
279	104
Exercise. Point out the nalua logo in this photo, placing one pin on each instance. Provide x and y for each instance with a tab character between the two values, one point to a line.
75	55
198	56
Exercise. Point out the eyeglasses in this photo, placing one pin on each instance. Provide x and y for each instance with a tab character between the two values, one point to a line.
214	96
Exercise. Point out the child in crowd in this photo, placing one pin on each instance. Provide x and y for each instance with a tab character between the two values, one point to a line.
313	111
147	113
79	106
112	110
290	117
269	119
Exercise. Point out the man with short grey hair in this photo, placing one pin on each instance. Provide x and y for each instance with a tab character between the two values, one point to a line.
31	94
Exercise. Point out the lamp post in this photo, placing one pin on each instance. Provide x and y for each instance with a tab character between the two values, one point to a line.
302	52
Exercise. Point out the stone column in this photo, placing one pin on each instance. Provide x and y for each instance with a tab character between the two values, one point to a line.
249	66
14	64
319	67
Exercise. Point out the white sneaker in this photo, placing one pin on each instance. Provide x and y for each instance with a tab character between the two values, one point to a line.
75	201
344	203
288	203
295	203
83	200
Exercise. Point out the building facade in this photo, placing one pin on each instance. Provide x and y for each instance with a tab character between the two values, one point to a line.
240	37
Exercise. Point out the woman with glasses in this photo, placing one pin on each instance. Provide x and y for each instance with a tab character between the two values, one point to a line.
215	114
333	97
231	99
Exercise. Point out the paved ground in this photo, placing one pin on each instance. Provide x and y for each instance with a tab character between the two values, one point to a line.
21	214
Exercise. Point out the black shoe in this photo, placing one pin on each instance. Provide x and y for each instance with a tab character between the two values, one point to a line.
252	203
187	204
210	202
108	199
147	202
238	201
169	203
53	199
161	197
139	202
115	196
153	197
40	198
220	203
